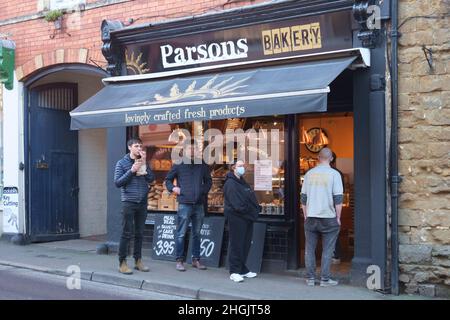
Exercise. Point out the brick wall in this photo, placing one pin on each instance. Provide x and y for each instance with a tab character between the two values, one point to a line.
40	45
424	134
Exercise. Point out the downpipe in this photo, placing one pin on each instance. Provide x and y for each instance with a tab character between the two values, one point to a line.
395	179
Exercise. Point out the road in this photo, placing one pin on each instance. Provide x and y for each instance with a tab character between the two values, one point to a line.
23	284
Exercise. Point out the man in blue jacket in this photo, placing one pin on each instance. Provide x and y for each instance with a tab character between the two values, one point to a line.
133	177
193	184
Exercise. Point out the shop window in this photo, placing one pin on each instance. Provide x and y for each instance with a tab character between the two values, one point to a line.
156	138
262	148
263	152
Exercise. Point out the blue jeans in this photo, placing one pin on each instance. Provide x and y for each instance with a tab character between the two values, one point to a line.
328	228
189	213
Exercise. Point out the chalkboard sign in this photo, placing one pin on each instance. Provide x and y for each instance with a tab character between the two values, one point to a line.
255	254
164	235
210	241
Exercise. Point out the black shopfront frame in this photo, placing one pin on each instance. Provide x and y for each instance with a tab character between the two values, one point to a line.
369	140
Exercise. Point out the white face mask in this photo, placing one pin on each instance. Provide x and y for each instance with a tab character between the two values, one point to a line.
240	171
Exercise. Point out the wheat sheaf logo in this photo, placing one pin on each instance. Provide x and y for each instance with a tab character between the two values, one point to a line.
134	64
208	90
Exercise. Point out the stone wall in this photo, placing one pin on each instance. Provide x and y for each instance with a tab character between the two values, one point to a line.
424	134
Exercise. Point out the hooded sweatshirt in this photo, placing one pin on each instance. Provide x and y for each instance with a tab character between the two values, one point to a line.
240	200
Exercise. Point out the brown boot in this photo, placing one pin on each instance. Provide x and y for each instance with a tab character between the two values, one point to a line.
196	264
124	268
140	266
180	265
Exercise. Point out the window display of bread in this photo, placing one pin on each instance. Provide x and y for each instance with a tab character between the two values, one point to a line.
219	172
166	165
155	164
159	198
215	195
167	201
153	196
215	200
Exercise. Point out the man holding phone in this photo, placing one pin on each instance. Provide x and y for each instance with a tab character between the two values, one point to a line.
133	177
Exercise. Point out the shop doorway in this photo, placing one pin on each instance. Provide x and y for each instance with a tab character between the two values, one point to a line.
333	130
53	155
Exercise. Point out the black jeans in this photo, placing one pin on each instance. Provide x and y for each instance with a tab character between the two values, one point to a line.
132	214
240	234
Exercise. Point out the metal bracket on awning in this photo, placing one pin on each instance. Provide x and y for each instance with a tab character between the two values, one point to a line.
362	60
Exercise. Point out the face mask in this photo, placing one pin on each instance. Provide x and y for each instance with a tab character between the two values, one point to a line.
240	171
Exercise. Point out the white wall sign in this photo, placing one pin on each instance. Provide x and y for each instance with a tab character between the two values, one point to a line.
10	200
263	175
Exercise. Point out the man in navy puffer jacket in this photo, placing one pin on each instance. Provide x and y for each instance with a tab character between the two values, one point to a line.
193	184
133	177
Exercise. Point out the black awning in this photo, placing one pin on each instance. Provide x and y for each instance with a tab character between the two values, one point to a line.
277	90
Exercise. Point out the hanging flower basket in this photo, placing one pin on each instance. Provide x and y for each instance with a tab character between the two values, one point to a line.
54	16
58	23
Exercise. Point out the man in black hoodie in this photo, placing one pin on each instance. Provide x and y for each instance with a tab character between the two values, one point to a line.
241	209
193	184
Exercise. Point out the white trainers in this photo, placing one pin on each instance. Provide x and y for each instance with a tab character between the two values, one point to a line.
328	283
310	282
335	261
236	277
249	275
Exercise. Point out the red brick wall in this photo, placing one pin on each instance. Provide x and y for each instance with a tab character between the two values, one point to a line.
36	48
11	9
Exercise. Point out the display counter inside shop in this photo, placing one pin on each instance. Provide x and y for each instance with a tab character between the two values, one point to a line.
160	200
266	177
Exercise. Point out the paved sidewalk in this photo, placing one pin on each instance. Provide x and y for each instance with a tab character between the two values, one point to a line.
214	283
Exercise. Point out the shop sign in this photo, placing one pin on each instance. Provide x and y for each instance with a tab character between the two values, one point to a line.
10	202
273	40
179	57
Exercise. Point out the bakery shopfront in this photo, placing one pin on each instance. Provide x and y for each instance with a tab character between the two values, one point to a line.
285	79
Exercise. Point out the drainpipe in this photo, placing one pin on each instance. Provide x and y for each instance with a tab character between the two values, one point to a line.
394	177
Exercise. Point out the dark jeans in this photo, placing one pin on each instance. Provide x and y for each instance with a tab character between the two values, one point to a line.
240	234
132	214
189	213
328	228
